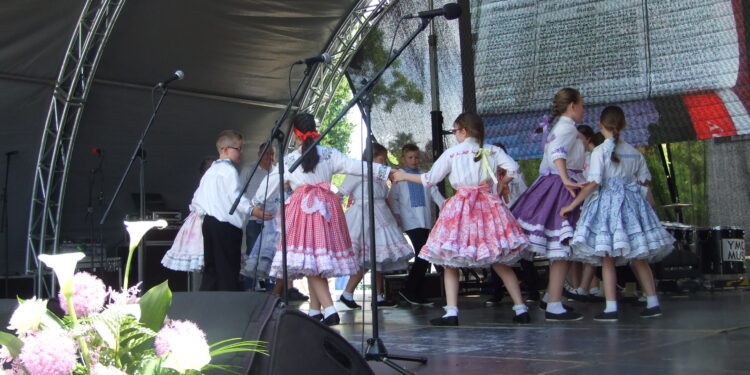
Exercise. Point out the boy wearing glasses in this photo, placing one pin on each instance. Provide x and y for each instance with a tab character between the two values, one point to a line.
222	232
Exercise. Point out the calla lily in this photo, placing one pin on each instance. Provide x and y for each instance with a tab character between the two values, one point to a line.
64	266
136	230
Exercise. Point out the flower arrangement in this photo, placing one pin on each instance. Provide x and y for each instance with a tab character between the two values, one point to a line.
107	332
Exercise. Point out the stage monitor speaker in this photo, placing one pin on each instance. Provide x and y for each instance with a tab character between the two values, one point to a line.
296	343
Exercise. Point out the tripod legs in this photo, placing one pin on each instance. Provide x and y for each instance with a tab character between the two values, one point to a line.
376	351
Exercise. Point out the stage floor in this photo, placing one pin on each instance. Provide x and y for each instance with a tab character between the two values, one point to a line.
703	333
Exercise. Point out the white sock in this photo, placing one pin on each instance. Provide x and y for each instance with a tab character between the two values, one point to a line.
450	311
381	298
313	312
555	308
328	311
611	307
520	309
580	292
348	296
594	291
545	297
652	301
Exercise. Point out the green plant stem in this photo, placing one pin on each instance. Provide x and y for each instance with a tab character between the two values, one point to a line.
127	268
81	341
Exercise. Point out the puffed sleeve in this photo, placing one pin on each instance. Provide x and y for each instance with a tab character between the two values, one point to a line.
560	143
439	171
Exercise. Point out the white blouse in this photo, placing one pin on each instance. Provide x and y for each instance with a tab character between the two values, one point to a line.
331	162
458	162
563	143
631	167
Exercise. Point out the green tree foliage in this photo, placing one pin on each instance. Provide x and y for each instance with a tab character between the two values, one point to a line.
389	90
689	162
339	136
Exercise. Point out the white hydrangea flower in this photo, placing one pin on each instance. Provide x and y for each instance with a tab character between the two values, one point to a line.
28	316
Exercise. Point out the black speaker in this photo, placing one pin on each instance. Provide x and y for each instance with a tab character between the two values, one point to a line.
296	343
155	245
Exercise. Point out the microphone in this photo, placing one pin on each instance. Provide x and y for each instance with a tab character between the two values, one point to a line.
96	151
324	58
176	76
451	11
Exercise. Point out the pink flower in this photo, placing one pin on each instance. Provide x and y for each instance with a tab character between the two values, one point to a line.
88	295
184	346
48	353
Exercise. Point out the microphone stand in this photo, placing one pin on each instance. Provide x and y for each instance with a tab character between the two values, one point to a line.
282	138
376	350
137	152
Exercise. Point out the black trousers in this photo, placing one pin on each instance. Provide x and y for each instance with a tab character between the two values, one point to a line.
415	280
222	246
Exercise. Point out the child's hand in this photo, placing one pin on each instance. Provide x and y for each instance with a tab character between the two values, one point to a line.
260	214
566	210
399	175
572	186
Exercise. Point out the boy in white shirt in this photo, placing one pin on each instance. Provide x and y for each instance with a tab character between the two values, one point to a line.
222	233
411	207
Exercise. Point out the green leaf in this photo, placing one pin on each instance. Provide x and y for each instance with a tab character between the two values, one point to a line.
151	366
13	343
154	306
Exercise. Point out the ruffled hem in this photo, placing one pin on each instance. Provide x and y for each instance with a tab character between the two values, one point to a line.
303	262
187	263
475	229
619	223
549	242
395	252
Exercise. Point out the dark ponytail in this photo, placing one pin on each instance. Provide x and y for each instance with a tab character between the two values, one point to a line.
305	122
474	127
613	119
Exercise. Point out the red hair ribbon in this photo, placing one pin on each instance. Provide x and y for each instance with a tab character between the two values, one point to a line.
303	136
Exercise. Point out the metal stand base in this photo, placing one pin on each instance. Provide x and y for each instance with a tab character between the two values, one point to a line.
376	351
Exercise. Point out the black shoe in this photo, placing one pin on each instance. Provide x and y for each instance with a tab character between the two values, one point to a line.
578	297
316	317
331	320
606	316
296	295
416	301
493	301
441	321
349	303
564	317
386	304
651	313
593	298
543	306
524	318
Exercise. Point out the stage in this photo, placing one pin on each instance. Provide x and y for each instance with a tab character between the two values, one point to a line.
702	333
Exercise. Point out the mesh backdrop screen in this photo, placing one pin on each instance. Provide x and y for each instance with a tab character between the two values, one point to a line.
677	68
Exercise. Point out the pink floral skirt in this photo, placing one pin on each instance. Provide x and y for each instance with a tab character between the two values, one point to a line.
186	253
475	229
317	237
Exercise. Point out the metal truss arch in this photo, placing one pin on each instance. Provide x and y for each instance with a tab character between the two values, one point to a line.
69	96
364	17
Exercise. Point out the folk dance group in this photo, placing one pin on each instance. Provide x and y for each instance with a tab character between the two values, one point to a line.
599	217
